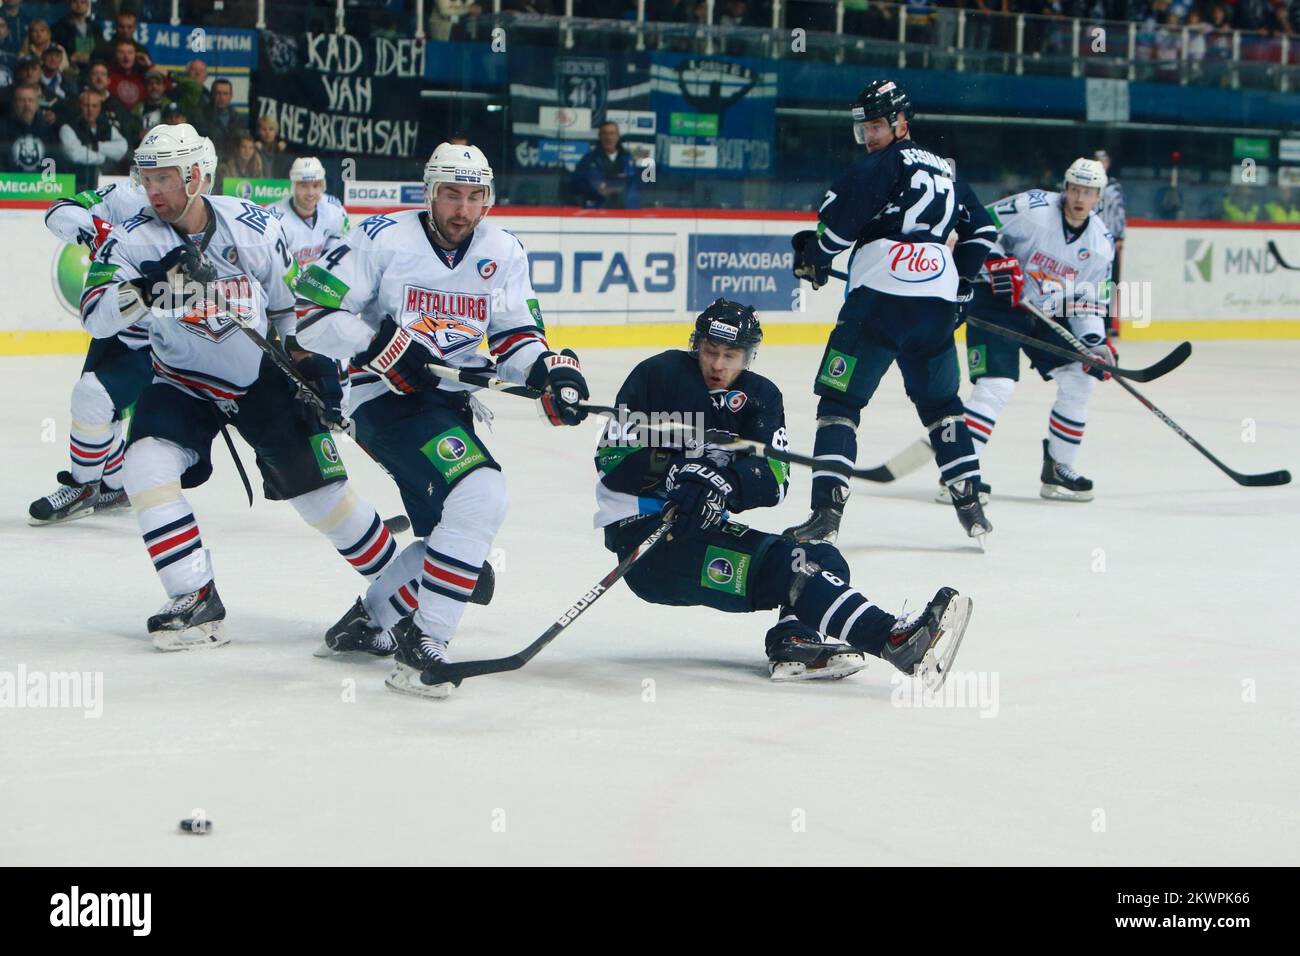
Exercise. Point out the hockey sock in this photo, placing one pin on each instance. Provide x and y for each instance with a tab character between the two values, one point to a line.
152	477
94	438
830	605
986	402
116	458
1070	412
837	441
352	525
954	450
455	551
393	594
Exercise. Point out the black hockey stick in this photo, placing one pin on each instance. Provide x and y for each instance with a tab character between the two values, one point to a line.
1163	367
1250	481
905	462
1272	247
457	671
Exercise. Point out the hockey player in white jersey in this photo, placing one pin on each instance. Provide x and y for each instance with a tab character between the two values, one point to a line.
311	218
405	290
1054	251
197	266
112	376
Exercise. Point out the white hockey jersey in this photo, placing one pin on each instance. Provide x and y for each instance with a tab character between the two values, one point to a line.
309	238
449	301
200	350
74	221
1064	275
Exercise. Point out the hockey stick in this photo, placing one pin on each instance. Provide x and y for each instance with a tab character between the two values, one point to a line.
455	672
1163	367
1272	247
1250	481
905	462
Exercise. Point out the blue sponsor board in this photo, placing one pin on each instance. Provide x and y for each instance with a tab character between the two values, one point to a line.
412	194
754	270
557	152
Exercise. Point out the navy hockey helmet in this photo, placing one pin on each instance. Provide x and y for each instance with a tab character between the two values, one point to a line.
731	324
879	98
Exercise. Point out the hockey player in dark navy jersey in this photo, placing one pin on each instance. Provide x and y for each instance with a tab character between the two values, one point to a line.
896	208
825	627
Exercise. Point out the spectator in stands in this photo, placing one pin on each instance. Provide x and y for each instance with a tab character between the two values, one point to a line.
126	75
191	93
38	40
243	161
58	88
16	21
444	14
459	138
26	139
111	106
174	115
124	24
155	98
1283	208
90	142
607	177
8	47
76	34
1112	209
27	72
273	150
1240	204
734	13
223	121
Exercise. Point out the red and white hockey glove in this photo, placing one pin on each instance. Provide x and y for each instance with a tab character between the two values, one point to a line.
398	359
1006	278
559	379
1105	352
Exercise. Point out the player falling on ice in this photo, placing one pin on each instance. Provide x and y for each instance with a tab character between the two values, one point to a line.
896	208
114	373
1059	244
825	627
196	266
405	290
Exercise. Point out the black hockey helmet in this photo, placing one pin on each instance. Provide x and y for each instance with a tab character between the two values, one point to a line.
731	324
879	98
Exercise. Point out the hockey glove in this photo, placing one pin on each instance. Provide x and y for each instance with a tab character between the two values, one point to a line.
1103	351
965	292
398	359
161	282
1006	278
322	375
559	379
817	274
697	493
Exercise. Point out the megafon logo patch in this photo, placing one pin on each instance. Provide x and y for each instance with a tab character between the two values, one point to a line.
837	367
1198	255
487	268
451	448
720	571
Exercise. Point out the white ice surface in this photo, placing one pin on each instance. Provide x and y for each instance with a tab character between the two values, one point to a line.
1146	713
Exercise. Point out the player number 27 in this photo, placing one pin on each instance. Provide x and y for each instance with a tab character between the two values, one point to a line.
933	186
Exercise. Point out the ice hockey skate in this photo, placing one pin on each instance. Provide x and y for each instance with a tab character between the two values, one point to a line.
69	501
1061	482
914	643
970	512
356	636
797	652
415	653
944	497
193	621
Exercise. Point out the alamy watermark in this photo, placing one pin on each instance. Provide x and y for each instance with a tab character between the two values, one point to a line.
972	690
63	690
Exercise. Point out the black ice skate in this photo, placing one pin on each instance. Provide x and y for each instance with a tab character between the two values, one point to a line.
111	499
924	644
965	499
416	653
796	652
823	525
71	500
190	621
1061	482
944	497
355	634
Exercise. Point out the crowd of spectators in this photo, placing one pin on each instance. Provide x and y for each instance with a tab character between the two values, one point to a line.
82	99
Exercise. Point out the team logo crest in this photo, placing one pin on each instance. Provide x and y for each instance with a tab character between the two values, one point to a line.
231	255
487	268
1084	253
736	401
445	336
451	448
582	82
720	571
207	322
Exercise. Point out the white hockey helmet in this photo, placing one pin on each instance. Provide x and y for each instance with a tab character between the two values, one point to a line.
307	169
458	165
180	146
1086	172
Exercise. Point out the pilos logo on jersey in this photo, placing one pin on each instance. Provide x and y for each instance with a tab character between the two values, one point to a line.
208	320
448	323
915	262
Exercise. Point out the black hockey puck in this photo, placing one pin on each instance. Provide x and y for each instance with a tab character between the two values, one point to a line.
196	825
